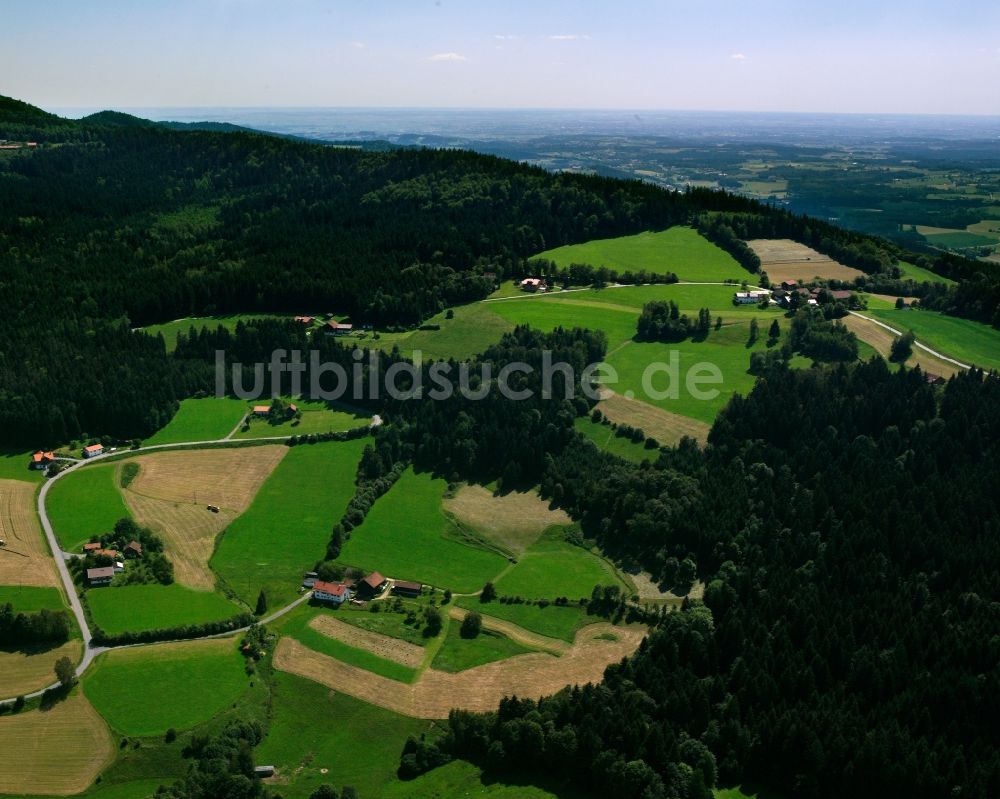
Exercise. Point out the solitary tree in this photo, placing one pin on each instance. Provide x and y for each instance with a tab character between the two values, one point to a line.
774	332
902	347
324	792
489	593
65	672
434	622
754	330
447	596
471	625
261	608
900	303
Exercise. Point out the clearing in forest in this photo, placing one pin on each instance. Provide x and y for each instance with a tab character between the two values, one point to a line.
478	689
172	491
24	557
512	521
666	427
59	751
784	259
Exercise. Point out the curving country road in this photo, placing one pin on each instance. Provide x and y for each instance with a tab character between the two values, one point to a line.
90	652
925	348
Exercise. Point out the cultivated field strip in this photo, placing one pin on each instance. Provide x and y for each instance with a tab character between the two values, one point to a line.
171	493
384	646
24	559
59	751
784	259
881	340
515	633
478	689
667	428
27	670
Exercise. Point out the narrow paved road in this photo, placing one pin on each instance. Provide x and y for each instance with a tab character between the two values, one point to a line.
90	652
926	349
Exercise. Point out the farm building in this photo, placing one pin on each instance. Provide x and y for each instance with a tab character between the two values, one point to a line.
133	549
102	575
263	771
532	284
372	585
789	285
330	592
93	451
304	320
334	328
749	297
933	379
261	410
42	459
841	295
106	553
406	588
93	546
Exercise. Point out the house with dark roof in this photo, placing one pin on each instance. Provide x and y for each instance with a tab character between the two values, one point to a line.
133	549
102	575
406	588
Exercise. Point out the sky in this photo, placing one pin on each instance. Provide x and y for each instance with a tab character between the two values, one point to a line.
876	56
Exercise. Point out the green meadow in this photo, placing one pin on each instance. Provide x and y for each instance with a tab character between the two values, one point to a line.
169	330
133	608
552	567
204	419
85	503
604	437
386	622
678	249
459	654
555	621
317	417
406	535
920	274
148	690
31	599
14	466
287	526
298	628
967	341
321	736
462	779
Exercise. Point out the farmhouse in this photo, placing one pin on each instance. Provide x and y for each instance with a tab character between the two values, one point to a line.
330	592
532	284
841	295
789	285
406	588
93	451
749	297
305	320
334	328
372	585
106	553
42	459
102	575
133	549
93	546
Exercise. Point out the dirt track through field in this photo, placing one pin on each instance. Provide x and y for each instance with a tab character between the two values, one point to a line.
478	689
513	521
784	259
667	428
384	646
25	558
881	339
171	493
515	633
56	752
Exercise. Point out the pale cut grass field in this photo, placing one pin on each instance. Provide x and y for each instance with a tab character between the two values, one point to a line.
25	558
784	259
171	493
59	752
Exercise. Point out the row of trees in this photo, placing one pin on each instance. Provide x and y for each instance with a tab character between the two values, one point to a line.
661	320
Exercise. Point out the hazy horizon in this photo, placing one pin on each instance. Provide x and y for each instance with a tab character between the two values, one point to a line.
776	56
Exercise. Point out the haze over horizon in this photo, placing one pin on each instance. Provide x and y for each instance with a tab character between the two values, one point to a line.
775	56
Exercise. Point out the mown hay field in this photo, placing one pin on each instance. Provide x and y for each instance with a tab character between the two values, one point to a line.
25	558
784	259
173	489
59	752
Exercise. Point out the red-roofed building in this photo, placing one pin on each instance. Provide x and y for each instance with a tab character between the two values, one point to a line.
372	585
261	410
42	459
305	320
133	549
93	546
532	284
93	451
337	328
330	592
